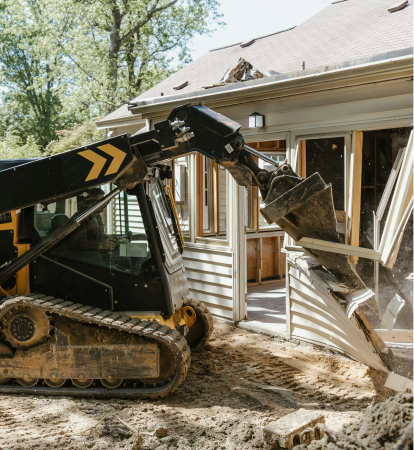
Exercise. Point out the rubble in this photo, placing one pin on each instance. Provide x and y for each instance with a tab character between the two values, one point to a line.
243	71
292	429
381	427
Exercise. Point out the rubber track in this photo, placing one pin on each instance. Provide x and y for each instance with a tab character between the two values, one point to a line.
207	320
111	320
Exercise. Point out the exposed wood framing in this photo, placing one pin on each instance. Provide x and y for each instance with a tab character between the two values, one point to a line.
356	193
302	158
405	336
259	261
215	198
200	193
369	330
264	257
255	204
172	182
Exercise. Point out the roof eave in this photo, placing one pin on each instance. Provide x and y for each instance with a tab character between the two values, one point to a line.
241	91
131	119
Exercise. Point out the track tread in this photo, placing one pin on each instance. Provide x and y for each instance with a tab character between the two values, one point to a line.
204	314
147	329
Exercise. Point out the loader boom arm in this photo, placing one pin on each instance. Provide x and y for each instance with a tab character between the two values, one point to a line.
125	160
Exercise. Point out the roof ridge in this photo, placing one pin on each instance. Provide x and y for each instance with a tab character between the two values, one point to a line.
254	39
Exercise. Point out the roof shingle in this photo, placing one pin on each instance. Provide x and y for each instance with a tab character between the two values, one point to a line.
343	31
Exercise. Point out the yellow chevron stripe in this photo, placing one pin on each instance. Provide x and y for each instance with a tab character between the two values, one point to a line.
98	163
117	155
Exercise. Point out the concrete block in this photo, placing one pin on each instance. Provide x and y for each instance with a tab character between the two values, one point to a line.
293	429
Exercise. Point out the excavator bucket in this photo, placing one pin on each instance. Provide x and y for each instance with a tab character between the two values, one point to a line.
307	210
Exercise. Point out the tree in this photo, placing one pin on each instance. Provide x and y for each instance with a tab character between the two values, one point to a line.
31	100
67	61
120	48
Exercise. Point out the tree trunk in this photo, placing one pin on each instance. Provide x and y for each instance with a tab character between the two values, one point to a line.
114	47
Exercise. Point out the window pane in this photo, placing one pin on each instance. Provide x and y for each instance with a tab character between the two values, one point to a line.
208	195
105	238
165	221
326	156
181	193
222	201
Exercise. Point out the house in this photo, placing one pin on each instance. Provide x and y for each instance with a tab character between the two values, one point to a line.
337	100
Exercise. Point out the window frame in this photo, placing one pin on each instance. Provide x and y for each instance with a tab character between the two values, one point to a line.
253	204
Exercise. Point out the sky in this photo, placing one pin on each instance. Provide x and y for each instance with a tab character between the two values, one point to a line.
247	19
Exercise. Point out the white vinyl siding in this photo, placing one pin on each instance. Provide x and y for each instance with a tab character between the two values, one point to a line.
135	223
210	280
316	316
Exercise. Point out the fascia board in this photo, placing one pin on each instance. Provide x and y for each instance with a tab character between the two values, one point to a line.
120	122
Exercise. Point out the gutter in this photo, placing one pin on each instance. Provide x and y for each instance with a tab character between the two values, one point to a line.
240	92
124	121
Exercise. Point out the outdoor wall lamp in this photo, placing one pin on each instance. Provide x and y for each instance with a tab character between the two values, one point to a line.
256	120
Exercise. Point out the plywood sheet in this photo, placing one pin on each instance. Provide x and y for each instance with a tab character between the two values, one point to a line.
268	257
251	248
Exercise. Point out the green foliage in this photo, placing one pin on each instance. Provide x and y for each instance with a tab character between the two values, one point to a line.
78	136
66	61
29	70
121	48
11	148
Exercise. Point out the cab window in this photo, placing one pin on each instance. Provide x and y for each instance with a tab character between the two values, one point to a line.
113	238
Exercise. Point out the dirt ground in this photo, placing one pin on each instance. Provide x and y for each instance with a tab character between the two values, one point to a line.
239	383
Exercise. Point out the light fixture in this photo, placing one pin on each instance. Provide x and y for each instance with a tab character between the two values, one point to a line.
256	120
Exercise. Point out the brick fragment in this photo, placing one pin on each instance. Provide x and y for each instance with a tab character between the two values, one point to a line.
289	430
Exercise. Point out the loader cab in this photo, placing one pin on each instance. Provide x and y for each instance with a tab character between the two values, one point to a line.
126	257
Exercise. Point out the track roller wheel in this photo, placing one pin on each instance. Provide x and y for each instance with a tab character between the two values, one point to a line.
4	380
55	382
112	383
199	334
25	327
27	381
85	383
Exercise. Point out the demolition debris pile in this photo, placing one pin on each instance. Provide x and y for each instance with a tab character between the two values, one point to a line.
243	71
381	427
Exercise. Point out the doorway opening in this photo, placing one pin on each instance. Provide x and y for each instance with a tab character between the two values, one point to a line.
265	260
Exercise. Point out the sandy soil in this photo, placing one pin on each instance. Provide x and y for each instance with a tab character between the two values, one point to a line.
239	383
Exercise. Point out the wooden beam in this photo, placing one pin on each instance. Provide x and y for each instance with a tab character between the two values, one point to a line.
302	158
343	249
200	193
279	258
259	261
369	330
255	204
172	182
356	195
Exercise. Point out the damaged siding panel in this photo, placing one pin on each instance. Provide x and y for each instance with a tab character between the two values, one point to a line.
317	317
209	275
400	209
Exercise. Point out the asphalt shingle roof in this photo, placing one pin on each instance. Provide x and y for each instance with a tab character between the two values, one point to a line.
343	31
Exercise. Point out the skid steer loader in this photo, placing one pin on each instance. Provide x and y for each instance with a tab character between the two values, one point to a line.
93	311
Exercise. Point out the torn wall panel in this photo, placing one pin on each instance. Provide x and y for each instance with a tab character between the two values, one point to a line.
317	316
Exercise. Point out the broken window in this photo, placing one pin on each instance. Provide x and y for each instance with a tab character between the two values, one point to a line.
380	149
